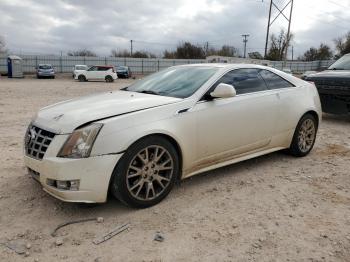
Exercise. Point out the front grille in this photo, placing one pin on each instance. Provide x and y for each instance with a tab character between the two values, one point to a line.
37	141
333	84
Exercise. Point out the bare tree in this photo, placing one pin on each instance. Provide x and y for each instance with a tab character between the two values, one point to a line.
81	52
278	46
137	54
324	52
3	48
342	44
122	53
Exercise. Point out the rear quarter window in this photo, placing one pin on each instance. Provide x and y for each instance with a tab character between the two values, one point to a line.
274	81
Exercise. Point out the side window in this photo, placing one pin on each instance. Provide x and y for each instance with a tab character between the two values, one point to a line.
93	68
244	81
274	81
103	68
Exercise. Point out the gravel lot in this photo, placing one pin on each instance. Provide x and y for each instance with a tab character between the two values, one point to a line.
273	208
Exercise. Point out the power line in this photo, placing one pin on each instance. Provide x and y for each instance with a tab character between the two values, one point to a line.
336	3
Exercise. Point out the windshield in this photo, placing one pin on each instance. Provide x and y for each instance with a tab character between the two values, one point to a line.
341	64
45	66
122	68
178	82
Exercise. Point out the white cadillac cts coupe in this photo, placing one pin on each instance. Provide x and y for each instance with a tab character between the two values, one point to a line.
136	142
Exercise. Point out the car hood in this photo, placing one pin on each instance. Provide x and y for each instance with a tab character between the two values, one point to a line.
330	74
64	117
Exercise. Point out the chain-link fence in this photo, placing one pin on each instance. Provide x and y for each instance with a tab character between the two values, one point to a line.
64	64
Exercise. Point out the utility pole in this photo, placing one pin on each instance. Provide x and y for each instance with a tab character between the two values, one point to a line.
245	40
274	3
268	30
288	33
206	48
292	52
131	48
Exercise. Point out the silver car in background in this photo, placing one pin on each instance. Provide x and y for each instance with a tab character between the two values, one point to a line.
45	70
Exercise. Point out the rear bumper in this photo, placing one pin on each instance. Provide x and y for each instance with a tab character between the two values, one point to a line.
46	73
94	174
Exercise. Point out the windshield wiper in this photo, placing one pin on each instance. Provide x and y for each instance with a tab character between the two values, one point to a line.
149	92
334	68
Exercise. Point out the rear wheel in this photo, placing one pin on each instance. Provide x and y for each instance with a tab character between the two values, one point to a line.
82	78
146	173
304	136
109	79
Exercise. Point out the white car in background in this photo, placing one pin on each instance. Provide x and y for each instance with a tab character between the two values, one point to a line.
97	72
78	68
184	120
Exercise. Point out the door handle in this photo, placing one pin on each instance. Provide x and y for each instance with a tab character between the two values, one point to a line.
183	110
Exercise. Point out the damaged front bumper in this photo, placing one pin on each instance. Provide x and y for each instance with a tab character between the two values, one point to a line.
73	180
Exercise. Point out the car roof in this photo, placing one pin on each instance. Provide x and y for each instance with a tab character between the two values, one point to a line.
226	66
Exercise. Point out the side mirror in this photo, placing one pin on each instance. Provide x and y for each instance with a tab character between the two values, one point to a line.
223	91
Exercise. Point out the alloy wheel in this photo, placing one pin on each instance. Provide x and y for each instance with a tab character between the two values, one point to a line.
149	173
307	135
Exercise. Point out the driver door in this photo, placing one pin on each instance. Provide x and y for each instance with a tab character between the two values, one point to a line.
230	127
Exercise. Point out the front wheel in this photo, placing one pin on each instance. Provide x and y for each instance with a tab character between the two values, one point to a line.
304	136
146	173
109	79
82	78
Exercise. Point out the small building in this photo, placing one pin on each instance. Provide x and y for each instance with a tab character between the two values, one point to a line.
14	67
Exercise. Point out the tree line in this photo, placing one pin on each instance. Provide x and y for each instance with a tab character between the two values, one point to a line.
278	45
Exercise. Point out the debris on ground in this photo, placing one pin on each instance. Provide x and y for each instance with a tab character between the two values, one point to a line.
110	234
159	237
72	222
59	242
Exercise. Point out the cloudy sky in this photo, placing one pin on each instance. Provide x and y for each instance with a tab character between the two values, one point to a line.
52	26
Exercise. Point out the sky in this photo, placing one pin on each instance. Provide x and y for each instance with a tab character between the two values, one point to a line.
55	26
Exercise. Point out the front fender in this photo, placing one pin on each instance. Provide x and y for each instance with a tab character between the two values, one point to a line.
119	133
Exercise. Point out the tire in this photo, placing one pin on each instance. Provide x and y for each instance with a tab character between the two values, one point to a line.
37	76
109	79
304	136
156	177
81	78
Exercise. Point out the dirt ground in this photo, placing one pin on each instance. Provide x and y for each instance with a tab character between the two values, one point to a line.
273	208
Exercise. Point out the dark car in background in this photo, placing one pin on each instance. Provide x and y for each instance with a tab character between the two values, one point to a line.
45	70
333	86
123	72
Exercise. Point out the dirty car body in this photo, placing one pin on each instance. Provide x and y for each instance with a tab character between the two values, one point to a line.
74	148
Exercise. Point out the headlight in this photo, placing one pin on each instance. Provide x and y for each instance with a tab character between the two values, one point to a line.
80	142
